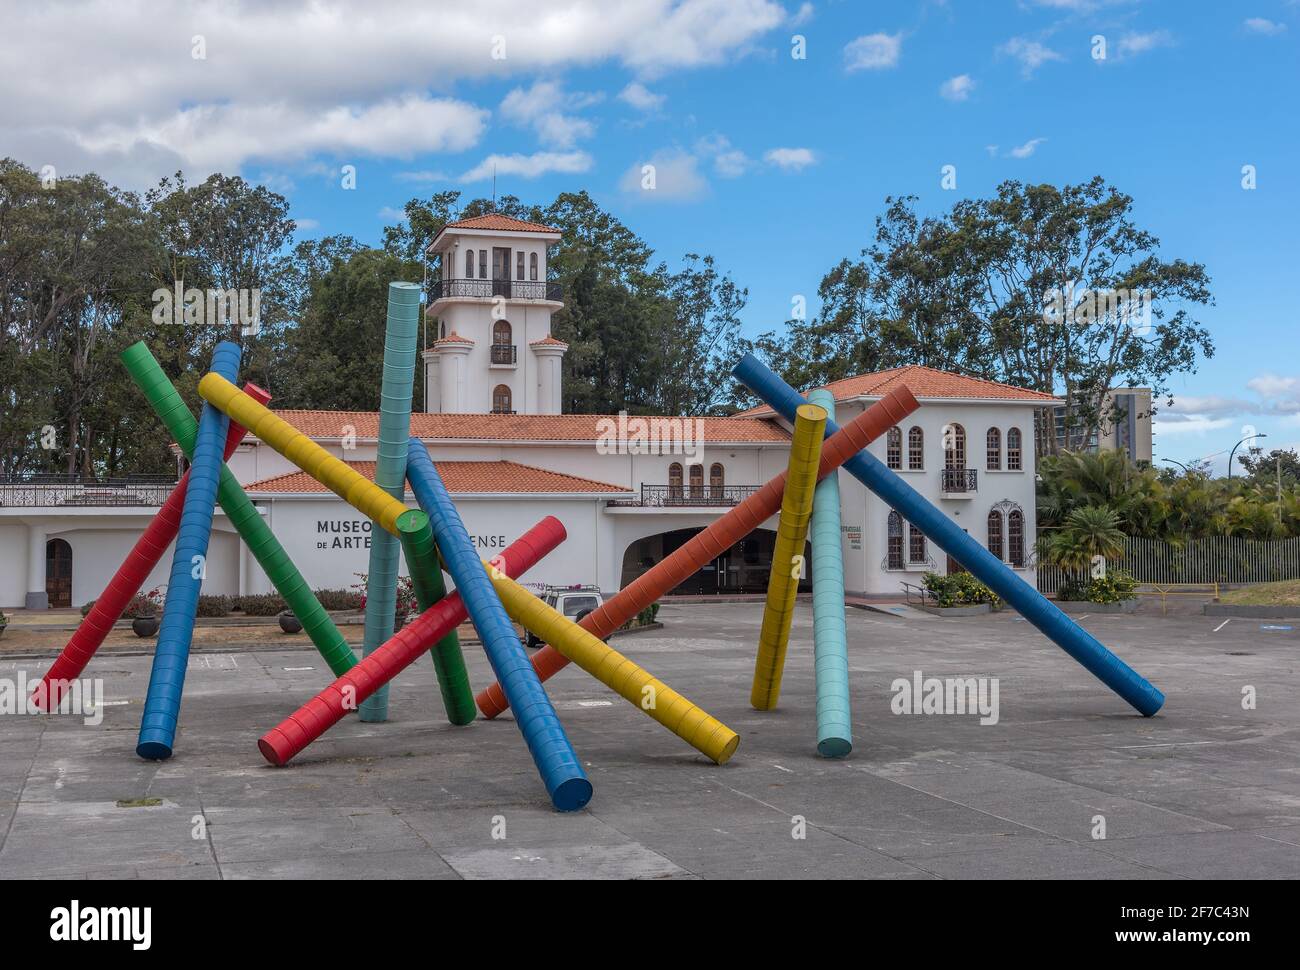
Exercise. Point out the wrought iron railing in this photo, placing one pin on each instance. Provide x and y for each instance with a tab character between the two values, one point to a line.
958	480
490	289
689	496
50	491
504	354
503	411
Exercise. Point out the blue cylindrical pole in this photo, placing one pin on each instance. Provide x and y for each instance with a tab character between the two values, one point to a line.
1031	604
162	703
400	333
559	767
830	635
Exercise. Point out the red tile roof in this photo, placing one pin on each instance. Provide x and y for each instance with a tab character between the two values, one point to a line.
460	477
452	338
547	341
499	223
924	382
515	427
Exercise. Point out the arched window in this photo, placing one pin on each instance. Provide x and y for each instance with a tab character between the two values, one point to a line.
894	531
482	264
915	449
501	333
519	265
954	447
993	445
675	481
501	400
1016	538
717	482
1015	462
697	481
894	448
916	545
995	533
469	264
532	267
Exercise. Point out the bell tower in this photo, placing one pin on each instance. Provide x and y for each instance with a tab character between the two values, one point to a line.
490	320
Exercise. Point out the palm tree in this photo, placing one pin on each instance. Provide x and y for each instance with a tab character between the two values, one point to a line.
1087	533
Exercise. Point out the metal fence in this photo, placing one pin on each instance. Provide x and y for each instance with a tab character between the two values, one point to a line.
49	491
1220	559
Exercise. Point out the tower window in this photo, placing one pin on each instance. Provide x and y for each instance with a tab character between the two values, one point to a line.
501	333
501	400
469	264
482	264
532	267
519	265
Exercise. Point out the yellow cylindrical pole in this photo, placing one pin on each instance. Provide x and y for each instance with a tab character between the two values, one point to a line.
693	725
336	475
787	556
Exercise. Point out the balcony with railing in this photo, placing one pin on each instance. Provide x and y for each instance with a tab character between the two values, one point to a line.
959	483
687	496
504	355
75	491
462	289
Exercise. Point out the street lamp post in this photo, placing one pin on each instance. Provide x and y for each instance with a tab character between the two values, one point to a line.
1238	445
1178	463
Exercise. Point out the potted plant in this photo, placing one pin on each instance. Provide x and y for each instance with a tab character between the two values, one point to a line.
290	623
143	610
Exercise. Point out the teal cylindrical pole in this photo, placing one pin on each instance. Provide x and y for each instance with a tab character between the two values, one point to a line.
830	635
243	515
400	332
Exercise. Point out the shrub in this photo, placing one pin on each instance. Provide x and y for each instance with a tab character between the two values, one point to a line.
959	589
213	606
140	606
340	599
1114	587
263	604
85	610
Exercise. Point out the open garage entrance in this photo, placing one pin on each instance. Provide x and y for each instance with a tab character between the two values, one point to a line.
743	568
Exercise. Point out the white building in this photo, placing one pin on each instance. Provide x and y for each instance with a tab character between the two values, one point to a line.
509	457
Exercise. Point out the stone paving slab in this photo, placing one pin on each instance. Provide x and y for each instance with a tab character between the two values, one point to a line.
1207	788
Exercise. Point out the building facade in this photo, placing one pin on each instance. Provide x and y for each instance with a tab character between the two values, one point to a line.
628	490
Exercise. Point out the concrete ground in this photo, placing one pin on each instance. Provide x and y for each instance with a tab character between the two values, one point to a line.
1206	789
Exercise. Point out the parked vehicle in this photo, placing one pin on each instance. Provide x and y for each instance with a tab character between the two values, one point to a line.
575	602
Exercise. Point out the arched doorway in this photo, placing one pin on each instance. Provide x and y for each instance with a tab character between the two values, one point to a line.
744	568
58	573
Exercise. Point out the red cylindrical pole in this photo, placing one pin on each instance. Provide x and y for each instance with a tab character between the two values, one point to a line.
385	662
126	582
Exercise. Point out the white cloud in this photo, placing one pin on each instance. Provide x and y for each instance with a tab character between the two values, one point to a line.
306	225
1131	44
389	214
957	88
642	98
728	162
529	166
543	107
1261	25
280	80
873	52
802	15
676	178
1027	149
1281	395
790	159
1030	53
423	177
1187	425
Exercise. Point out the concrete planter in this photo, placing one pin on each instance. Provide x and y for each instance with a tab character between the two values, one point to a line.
1083	606
1253	612
145	626
290	623
977	610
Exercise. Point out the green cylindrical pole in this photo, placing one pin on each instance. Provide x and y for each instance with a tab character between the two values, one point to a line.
401	330
414	531
830	634
243	515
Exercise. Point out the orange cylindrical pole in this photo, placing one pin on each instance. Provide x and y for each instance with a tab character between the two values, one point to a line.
714	540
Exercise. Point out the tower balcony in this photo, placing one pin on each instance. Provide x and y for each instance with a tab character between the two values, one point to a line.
503	355
524	291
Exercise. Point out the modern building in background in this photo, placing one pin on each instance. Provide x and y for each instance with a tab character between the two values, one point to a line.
1129	432
495	428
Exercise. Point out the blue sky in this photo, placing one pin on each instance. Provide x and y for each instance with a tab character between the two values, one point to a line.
775	165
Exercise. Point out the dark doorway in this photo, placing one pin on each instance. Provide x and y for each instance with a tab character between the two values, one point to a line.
743	568
58	574
500	271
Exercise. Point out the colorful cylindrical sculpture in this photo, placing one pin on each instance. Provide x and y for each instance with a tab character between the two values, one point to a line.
126	582
787	556
689	722
448	661
707	545
983	565
332	704
400	332
558	765
162	702
243	514
830	633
